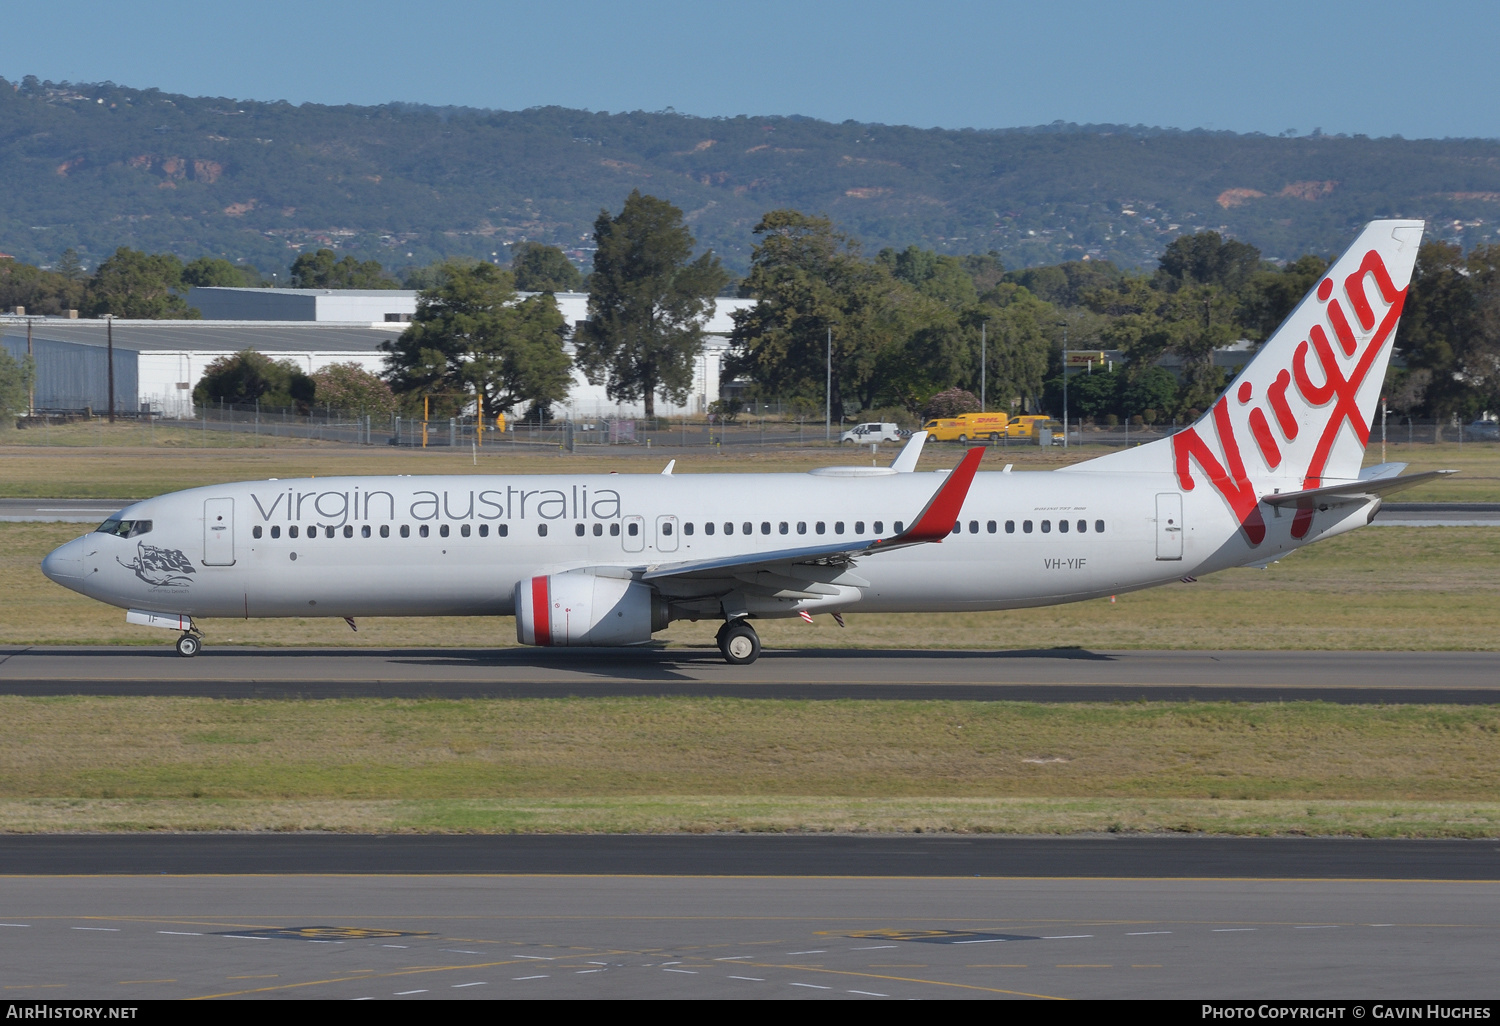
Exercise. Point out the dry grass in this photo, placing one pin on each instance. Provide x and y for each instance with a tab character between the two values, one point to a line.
705	764
124	466
1383	588
660	814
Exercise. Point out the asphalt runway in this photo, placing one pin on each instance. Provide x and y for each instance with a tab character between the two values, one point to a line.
1060	675
854	938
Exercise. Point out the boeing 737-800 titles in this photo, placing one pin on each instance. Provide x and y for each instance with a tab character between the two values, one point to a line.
609	559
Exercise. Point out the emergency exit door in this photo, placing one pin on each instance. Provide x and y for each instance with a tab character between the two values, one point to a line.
218	532
1169	525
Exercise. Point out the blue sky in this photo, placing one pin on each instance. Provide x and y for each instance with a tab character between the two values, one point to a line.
1377	68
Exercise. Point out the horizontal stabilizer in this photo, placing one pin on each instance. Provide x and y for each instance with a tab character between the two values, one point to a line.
1350	491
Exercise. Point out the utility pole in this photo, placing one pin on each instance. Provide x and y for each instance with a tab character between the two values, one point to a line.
31	387
983	366
1065	382
828	394
109	328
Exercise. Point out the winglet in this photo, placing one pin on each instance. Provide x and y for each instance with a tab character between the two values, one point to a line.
937	518
668	471
906	460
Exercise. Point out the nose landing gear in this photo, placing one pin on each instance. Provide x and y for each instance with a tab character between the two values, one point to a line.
189	644
739	642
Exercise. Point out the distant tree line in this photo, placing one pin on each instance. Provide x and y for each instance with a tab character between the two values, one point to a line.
877	335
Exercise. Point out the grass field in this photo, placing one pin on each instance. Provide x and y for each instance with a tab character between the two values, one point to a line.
655	764
1380	588
122	468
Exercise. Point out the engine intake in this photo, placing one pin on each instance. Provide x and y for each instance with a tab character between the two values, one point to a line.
586	609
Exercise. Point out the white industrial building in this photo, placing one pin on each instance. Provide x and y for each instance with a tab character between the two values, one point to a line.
315	328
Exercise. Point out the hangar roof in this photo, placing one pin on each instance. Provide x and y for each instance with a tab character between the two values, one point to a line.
212	336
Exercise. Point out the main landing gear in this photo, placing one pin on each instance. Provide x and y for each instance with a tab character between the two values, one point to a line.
188	644
739	642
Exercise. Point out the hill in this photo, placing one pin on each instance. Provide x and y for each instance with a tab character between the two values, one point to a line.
98	166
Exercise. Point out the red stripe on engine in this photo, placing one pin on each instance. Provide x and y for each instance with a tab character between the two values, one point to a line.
541	611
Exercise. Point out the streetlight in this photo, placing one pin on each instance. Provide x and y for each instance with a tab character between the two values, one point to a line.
1065	382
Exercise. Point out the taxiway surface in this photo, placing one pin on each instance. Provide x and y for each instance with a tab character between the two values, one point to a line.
1058	675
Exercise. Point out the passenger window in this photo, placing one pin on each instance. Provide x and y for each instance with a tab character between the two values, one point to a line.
364	531
1062	527
749	528
728	527
463	530
349	530
880	527
385	530
820	527
1098	527
838	527
614	530
1046	527
291	532
781	528
765	527
502	530
897	525
633	530
443	531
405	531
275	532
598	530
423	530
484	530
541	530
1026	526
255	531
327	532
708	528
1010	527
802	527
666	528
577	529
687	528
958	528
990	527
1083	526
859	527
973	527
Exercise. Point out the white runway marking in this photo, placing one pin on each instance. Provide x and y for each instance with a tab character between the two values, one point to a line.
1148	933
460	986
102	929
819	951
1236	929
179	933
690	972
991	940
868	993
731	958
876	947
403	993
528	977
812	986
1070	936
403	946
752	979
461	951
1315	928
539	958
240	936
25	925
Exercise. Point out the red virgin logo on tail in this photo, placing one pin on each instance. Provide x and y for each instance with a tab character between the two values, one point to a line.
1337	391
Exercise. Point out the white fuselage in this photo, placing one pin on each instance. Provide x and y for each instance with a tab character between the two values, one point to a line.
360	549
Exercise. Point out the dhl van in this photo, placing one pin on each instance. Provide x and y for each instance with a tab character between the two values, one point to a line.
966	426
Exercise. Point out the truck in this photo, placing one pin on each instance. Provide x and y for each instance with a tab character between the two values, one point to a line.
967	426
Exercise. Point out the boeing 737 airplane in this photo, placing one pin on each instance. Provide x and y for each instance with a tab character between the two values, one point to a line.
606	560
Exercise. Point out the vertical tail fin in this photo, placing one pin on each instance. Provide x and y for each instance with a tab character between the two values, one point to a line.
1298	416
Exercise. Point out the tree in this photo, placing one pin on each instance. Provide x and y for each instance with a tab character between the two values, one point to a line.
472	337
811	283
348	386
140	286
1018	345
648	304
39	291
950	403
218	272
940	277
323	270
248	377
1150	395
16	377
1208	258
542	268
1270	296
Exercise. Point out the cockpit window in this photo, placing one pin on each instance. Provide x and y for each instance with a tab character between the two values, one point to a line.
125	528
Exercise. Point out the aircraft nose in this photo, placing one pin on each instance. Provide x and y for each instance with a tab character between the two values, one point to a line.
64	563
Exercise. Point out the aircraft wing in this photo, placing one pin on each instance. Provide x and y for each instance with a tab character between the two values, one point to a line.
1375	486
933	524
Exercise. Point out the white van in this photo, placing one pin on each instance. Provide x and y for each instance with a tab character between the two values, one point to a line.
866	433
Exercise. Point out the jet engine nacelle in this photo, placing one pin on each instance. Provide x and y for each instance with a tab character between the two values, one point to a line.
587	609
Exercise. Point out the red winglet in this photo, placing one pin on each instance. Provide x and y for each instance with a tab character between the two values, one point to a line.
937	518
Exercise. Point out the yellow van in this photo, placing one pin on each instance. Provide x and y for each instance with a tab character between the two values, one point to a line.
967	426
